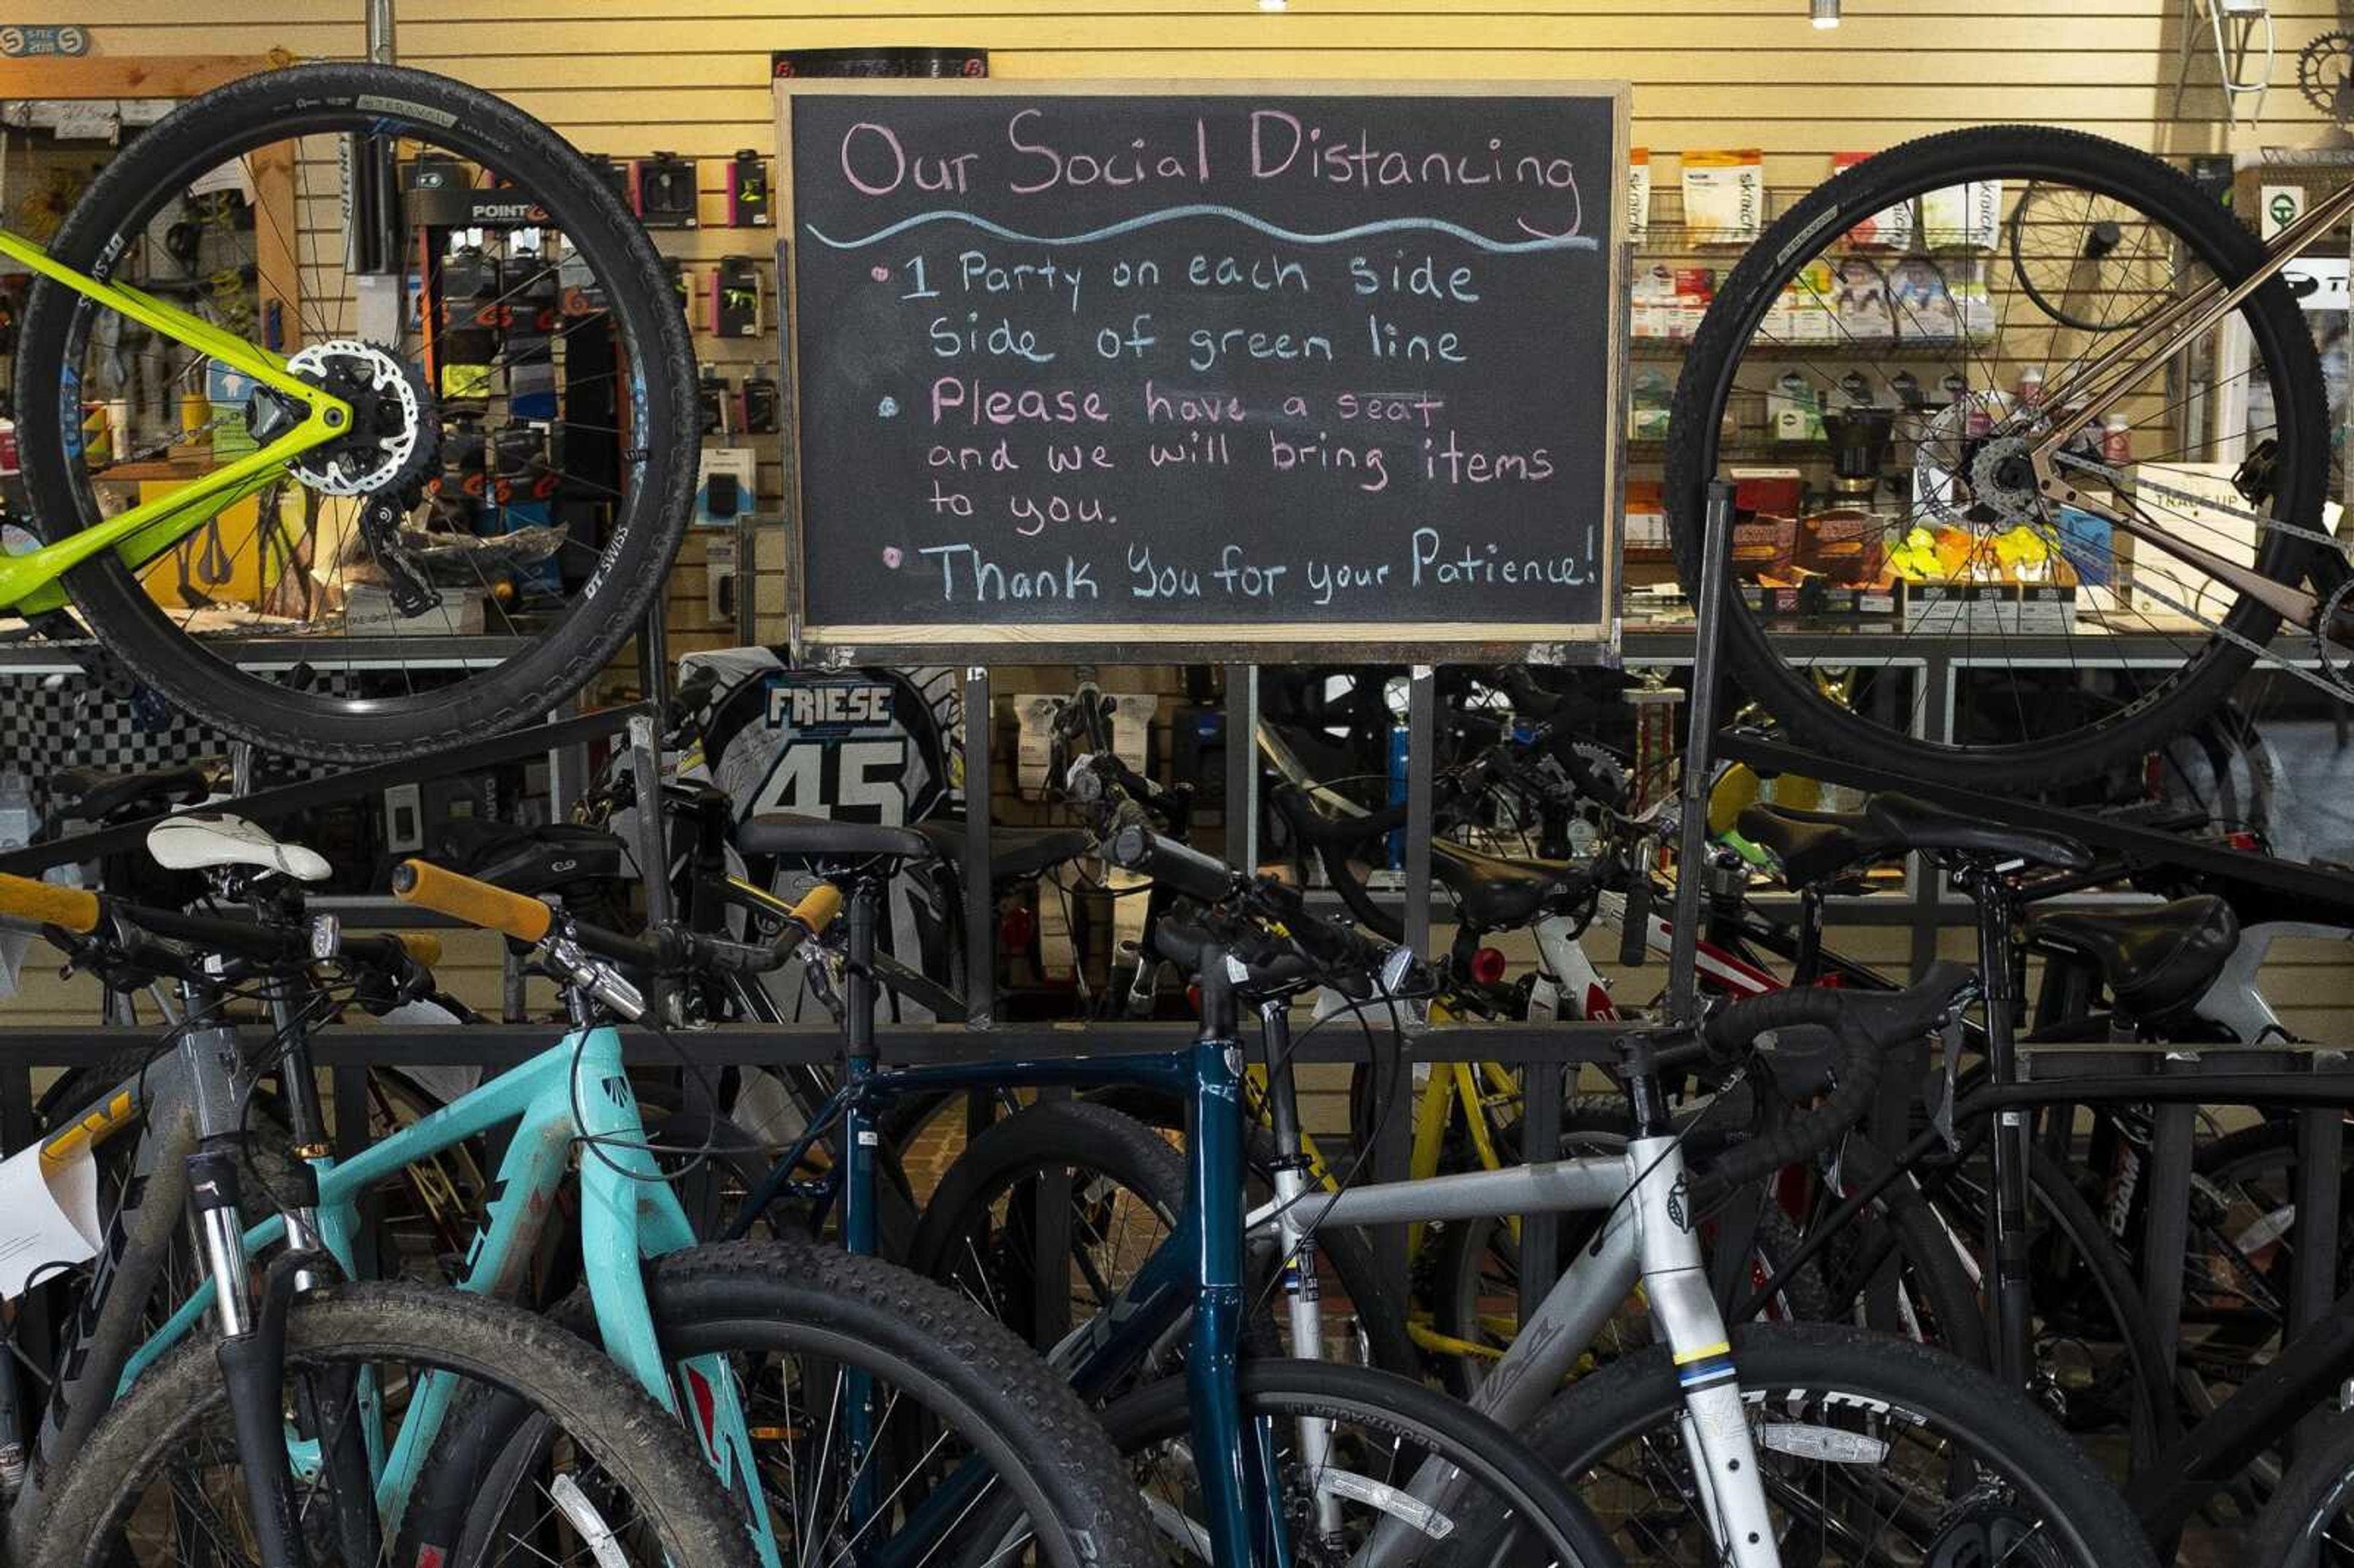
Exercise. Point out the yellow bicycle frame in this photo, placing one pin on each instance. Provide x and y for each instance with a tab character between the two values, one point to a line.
28	583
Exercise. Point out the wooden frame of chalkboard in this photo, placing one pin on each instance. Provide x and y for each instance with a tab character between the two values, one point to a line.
980	387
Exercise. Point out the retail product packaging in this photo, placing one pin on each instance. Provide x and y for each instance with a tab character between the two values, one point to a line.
1920	302
1966	216
2161	588
1862	311
1766	506
1891	228
1794	410
1724	196
1695	292
1654	391
1647	515
1639	194
1653	307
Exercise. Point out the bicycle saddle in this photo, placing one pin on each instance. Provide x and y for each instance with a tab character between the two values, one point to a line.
822	838
2155	961
1494	893
1813	846
94	794
198	841
1013	852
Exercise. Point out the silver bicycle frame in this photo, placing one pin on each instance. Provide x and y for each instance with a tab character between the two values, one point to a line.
1650	1236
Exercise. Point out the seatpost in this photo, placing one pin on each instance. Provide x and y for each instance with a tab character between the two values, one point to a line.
2007	1236
856	1157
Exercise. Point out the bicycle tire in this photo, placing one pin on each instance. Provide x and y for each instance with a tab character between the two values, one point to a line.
642	536
1793	1369
1286	1390
952	1244
1027	1422
2218	239
2295	1529
492	1344
1377	1306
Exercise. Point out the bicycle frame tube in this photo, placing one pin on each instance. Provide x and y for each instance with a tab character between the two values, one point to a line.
629	1214
1648	1236
28	583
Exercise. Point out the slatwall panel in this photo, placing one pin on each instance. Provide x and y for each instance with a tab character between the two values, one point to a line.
628	77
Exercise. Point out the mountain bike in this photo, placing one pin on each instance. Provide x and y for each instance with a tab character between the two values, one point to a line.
753	1346
286	1417
2112	401
507	458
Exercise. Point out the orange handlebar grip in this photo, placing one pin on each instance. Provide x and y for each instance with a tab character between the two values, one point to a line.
422	946
24	898
818	908
476	902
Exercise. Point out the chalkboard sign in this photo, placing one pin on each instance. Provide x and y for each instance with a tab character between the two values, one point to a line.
1105	369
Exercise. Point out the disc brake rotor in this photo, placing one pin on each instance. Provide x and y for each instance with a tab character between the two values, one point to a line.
394	438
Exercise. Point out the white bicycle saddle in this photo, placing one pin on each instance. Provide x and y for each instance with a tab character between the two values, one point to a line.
196	841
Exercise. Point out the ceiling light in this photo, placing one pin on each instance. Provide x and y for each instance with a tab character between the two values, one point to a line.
1824	12
1272	4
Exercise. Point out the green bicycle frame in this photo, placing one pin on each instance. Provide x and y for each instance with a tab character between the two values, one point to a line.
576	1091
28	583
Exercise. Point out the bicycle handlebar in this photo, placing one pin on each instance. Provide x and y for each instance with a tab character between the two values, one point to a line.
45	903
1866	1024
476	902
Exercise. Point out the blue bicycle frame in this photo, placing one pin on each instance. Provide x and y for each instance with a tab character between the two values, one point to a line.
576	1091
1198	1268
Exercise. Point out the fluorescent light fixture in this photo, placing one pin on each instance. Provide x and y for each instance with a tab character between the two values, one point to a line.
1823	12
1272	4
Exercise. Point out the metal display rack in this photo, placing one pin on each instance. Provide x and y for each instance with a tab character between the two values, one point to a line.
2175	1078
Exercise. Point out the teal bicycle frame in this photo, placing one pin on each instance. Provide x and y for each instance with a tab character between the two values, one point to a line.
576	1091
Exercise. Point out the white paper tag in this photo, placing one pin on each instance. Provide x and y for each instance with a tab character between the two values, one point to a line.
48	1218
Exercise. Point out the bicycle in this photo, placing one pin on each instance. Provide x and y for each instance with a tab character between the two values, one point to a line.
2102	268
306	1417
1246	1504
716	1335
1255	941
559	334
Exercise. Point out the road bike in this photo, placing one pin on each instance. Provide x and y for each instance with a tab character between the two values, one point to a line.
268	476
2109	404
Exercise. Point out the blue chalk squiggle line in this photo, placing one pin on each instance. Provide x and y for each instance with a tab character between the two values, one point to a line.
1208	209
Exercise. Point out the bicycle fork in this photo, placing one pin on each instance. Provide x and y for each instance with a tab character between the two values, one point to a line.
1302	1294
1715	1427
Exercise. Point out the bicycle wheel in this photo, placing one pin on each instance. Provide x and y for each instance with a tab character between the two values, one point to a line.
2309	1523
161	1482
530	438
1506	1505
1933	473
960	1419
1121	1186
1874	1451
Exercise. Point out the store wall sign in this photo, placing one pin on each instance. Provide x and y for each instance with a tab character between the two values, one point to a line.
2277	207
18	42
1091	367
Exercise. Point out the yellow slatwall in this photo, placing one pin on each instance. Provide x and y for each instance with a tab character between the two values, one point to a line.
627	77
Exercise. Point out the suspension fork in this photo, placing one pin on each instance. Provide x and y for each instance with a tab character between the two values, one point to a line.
1302	1291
